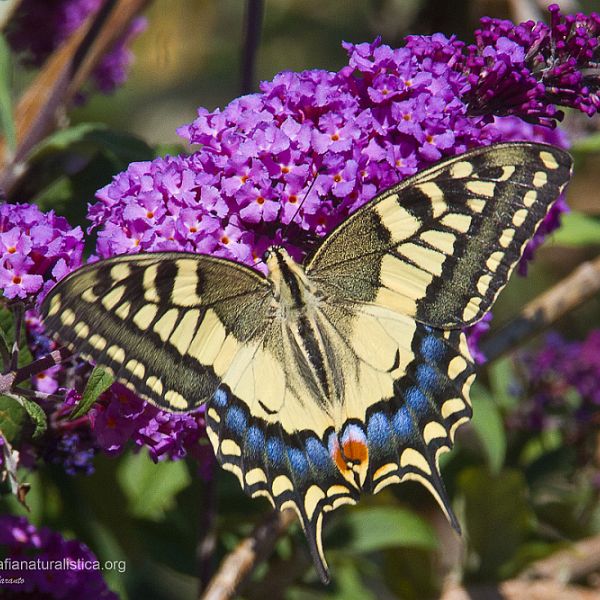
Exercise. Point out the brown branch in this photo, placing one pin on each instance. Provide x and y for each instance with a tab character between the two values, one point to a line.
524	10
41	107
519	590
568	565
550	578
7	10
543	311
238	565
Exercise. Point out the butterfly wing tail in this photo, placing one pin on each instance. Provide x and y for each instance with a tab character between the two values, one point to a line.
293	471
406	434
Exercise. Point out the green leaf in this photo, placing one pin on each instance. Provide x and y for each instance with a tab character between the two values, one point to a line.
151	487
120	145
577	230
4	340
172	149
37	415
487	424
57	194
63	139
498	519
587	145
12	421
7	324
12	418
501	373
125	146
349	584
98	382
379	527
6	104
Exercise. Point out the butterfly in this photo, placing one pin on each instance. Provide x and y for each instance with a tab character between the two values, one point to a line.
340	375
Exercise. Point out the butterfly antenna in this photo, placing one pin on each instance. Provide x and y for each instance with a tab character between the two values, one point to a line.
312	184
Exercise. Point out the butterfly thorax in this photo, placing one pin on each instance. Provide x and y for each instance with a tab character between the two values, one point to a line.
297	308
292	289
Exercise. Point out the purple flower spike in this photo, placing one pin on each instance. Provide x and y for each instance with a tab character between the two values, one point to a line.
561	390
36	249
528	69
65	569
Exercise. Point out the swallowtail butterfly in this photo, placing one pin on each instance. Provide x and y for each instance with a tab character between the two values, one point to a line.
340	375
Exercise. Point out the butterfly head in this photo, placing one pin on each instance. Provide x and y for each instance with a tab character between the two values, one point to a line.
290	284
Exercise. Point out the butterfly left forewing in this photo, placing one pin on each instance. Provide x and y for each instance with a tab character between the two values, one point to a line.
167	325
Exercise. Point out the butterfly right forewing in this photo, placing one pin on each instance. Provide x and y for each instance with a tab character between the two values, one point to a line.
441	245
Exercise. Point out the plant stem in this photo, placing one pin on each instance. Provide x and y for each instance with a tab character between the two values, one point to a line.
41	364
253	24
18	312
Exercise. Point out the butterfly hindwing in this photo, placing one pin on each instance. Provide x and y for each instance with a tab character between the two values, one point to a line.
409	413
167	324
441	245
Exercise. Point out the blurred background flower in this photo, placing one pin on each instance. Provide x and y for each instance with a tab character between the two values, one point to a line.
39	27
49	554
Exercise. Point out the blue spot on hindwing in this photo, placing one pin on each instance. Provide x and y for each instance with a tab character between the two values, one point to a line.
432	348
298	462
255	442
319	456
416	400
403	423
379	432
427	377
236	420
220	398
276	451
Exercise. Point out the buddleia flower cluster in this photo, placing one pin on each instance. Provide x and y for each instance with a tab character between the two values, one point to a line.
39	27
286	165
559	391
40	563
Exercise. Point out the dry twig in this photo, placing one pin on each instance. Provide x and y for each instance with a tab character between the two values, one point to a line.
41	107
238	565
547	308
